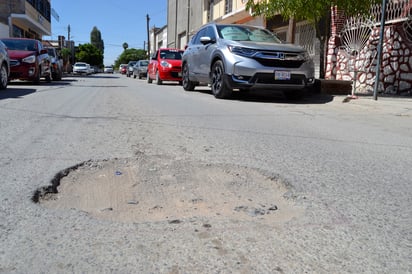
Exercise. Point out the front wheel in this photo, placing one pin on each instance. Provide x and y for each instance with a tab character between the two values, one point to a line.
220	88
3	77
186	83
158	80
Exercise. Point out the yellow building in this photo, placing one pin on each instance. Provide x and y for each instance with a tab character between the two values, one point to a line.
25	18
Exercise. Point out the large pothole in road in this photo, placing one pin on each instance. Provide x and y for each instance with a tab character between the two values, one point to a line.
159	188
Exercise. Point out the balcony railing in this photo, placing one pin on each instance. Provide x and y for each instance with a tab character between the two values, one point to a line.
396	11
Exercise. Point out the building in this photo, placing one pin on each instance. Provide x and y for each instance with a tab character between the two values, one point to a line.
25	18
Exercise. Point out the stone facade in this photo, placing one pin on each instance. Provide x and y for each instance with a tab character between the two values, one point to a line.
360	67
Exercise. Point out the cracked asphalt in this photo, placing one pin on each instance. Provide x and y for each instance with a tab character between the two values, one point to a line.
108	174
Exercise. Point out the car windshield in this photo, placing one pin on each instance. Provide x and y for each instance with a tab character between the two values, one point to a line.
171	54
17	44
246	33
80	65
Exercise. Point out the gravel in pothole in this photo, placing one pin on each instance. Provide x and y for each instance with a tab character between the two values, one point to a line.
159	188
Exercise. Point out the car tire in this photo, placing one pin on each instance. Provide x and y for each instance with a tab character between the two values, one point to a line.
134	76
186	83
158	80
3	77
220	88
149	80
36	80
140	76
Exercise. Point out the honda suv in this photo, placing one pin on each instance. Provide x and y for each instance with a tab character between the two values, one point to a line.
243	57
28	59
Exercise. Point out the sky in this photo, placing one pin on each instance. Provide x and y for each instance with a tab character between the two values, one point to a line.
118	21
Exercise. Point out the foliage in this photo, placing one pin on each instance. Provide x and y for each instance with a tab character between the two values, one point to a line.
96	39
130	55
88	53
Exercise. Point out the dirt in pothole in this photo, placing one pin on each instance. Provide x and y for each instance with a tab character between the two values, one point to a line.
159	188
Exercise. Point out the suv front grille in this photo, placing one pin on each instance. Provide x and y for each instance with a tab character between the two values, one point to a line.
269	78
279	63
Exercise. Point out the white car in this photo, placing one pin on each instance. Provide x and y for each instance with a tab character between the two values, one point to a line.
81	68
108	69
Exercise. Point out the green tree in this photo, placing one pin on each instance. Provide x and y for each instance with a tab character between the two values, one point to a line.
96	39
89	54
316	12
66	54
130	55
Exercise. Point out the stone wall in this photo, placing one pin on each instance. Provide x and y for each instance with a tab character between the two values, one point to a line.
396	69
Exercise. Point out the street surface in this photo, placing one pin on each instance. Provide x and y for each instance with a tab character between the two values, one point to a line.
153	179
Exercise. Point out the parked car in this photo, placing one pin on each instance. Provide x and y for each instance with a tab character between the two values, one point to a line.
56	64
92	69
108	69
28	59
244	57
165	65
123	68
81	68
130	65
4	66
140	69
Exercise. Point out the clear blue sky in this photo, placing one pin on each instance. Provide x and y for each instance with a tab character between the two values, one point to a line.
118	21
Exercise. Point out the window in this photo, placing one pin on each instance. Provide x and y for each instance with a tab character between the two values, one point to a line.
228	6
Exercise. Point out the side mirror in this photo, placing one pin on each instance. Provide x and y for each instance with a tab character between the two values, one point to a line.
206	40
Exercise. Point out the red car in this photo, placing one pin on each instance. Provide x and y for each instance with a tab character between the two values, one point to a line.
28	59
123	68
165	65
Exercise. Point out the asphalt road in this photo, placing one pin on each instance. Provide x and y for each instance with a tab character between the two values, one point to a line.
343	171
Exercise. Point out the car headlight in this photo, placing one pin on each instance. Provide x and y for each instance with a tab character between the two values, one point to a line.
246	52
302	56
30	59
165	64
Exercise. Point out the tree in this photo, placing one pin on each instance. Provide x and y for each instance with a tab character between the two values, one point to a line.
89	54
317	12
66	54
130	55
96	39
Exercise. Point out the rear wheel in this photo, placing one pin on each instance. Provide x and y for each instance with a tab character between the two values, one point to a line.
186	83
220	88
149	80
158	80
3	77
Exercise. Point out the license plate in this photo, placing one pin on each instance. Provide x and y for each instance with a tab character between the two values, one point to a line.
282	75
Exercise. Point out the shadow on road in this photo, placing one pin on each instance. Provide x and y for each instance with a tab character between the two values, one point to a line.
15	92
270	96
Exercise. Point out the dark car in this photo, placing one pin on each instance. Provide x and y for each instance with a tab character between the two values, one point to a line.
130	65
244	57
4	66
140	69
28	59
165	65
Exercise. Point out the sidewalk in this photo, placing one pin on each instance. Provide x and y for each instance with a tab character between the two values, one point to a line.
398	106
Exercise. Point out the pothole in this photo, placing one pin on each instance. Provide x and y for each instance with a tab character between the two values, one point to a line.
158	188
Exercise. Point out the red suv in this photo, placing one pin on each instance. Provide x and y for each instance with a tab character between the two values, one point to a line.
28	59
165	65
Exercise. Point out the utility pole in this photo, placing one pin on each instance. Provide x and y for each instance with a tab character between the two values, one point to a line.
379	61
148	35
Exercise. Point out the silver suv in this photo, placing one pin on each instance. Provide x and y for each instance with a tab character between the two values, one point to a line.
244	57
